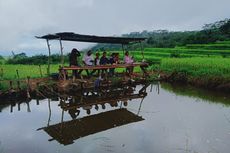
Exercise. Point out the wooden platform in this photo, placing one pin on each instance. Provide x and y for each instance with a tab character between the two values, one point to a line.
101	67
63	71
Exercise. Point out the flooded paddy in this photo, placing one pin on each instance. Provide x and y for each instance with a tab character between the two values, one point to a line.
159	118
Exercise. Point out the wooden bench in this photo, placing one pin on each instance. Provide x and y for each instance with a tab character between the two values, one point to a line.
63	70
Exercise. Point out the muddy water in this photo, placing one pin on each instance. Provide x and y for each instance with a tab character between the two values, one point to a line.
165	119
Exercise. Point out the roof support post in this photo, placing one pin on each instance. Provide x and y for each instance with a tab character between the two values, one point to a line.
123	49
48	124
62	56
48	69
142	51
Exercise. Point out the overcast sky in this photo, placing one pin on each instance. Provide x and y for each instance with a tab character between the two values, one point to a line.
21	20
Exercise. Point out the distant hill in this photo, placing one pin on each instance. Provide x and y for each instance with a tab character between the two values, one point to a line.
218	31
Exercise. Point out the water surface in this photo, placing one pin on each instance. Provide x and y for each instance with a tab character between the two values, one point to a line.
163	119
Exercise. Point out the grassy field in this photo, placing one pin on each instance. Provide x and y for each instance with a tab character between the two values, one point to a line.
9	72
203	60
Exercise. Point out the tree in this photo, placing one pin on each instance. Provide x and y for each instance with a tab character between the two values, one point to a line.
20	56
225	28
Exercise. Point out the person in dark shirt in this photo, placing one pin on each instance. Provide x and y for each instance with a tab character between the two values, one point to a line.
73	60
116	58
112	61
112	58
103	61
73	57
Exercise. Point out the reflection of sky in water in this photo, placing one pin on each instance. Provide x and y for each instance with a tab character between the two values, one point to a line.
172	124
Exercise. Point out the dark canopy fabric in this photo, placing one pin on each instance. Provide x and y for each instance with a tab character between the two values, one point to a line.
69	36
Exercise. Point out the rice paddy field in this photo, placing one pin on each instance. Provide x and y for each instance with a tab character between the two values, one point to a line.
198	67
196	60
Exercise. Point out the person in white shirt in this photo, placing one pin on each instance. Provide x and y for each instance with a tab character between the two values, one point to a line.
97	62
88	60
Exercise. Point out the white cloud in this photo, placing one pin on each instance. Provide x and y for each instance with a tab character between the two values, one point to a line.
22	20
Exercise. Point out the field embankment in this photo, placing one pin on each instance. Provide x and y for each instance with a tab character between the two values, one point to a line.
211	73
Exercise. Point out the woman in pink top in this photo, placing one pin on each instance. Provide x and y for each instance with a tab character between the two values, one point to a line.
128	60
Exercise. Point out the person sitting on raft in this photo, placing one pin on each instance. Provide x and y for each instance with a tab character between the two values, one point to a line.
128	60
116	58
103	61
88	60
97	62
112	61
73	60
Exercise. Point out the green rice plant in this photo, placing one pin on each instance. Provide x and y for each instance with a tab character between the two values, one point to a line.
188	52
198	67
222	42
209	46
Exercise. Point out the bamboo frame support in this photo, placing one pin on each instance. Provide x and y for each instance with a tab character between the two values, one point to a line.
123	49
142	51
62	55
48	45
17	74
40	70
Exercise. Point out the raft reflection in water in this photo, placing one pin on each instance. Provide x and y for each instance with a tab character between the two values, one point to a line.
66	132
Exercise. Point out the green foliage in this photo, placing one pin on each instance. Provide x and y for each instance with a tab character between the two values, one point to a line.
36	60
212	32
175	54
1	57
2	60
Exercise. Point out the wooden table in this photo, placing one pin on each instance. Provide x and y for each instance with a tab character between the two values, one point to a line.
63	70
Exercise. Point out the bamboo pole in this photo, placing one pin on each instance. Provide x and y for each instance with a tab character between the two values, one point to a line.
19	85
28	87
123	49
28	107
19	108
17	74
48	123
11	108
142	51
48	69
11	85
139	109
40	70
37	102
62	56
